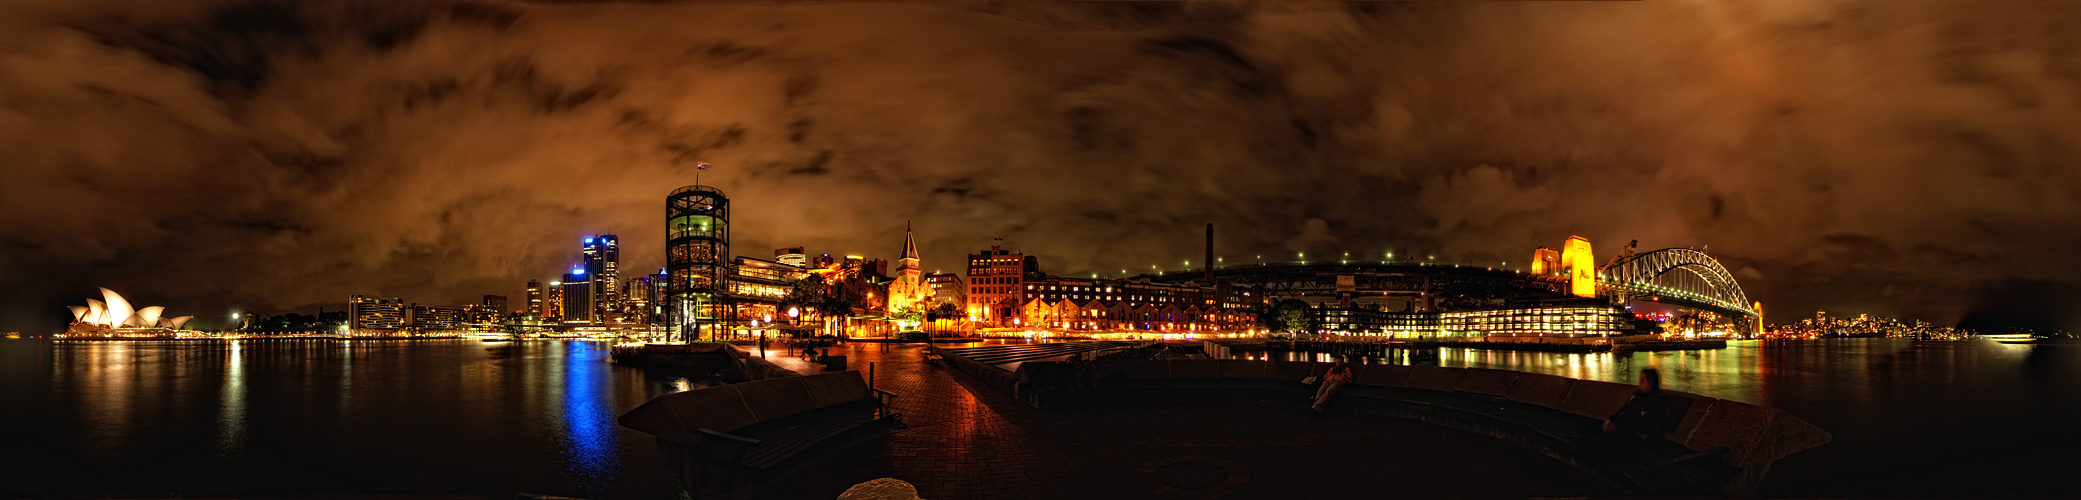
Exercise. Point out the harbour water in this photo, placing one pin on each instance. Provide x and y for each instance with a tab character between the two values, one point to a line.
1915	419
1910	418
325	416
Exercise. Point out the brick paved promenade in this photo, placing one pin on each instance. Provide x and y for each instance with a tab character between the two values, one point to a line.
966	440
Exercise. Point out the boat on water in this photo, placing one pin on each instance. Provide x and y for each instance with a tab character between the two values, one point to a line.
494	336
2043	341
1669	345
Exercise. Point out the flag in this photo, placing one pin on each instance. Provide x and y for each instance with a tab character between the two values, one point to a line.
701	166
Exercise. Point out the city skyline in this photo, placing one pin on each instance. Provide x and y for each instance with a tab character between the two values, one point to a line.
366	168
767	249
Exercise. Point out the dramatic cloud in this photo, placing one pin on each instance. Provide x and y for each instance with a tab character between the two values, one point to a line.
1901	158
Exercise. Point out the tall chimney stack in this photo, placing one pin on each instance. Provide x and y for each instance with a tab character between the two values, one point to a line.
1210	254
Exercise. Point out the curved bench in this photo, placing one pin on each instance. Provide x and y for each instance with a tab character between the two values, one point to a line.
733	439
1717	445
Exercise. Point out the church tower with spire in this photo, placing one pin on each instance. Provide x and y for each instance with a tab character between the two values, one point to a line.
908	291
911	271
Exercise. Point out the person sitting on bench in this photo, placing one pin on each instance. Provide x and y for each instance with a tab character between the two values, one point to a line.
1332	381
1646	416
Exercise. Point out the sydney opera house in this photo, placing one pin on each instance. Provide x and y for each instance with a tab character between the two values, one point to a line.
113	316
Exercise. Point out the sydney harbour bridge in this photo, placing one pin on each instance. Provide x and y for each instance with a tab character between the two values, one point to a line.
1680	277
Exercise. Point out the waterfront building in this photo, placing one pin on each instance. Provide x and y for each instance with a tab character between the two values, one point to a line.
1367	321
113	314
430	319
534	298
1098	315
1583	320
370	313
757	287
1559	319
697	253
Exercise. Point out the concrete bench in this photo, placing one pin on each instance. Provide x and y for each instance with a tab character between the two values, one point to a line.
1716	445
732	440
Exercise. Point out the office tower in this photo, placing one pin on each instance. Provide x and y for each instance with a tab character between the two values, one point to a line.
602	265
578	297
534	299
635	300
495	306
947	287
553	301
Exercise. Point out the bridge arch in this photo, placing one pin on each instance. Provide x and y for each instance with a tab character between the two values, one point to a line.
1702	278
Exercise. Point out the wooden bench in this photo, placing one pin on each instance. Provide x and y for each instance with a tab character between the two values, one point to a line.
1717	445
730	441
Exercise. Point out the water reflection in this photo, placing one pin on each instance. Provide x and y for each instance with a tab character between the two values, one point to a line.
281	415
590	444
231	417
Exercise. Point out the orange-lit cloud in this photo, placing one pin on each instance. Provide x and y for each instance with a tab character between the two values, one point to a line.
286	154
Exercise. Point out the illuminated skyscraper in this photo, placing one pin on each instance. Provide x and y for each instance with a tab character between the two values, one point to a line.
534	298
553	301
578	297
602	267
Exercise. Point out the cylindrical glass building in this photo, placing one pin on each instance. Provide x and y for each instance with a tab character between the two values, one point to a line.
697	261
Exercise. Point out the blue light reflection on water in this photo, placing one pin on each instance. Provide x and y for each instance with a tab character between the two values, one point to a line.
591	447
280	415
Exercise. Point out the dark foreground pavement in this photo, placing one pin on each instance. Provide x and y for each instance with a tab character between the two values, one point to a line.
967	440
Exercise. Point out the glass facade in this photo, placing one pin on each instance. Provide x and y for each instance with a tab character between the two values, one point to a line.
697	249
1568	321
1381	323
1574	321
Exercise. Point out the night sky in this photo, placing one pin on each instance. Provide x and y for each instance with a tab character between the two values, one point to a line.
1907	159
